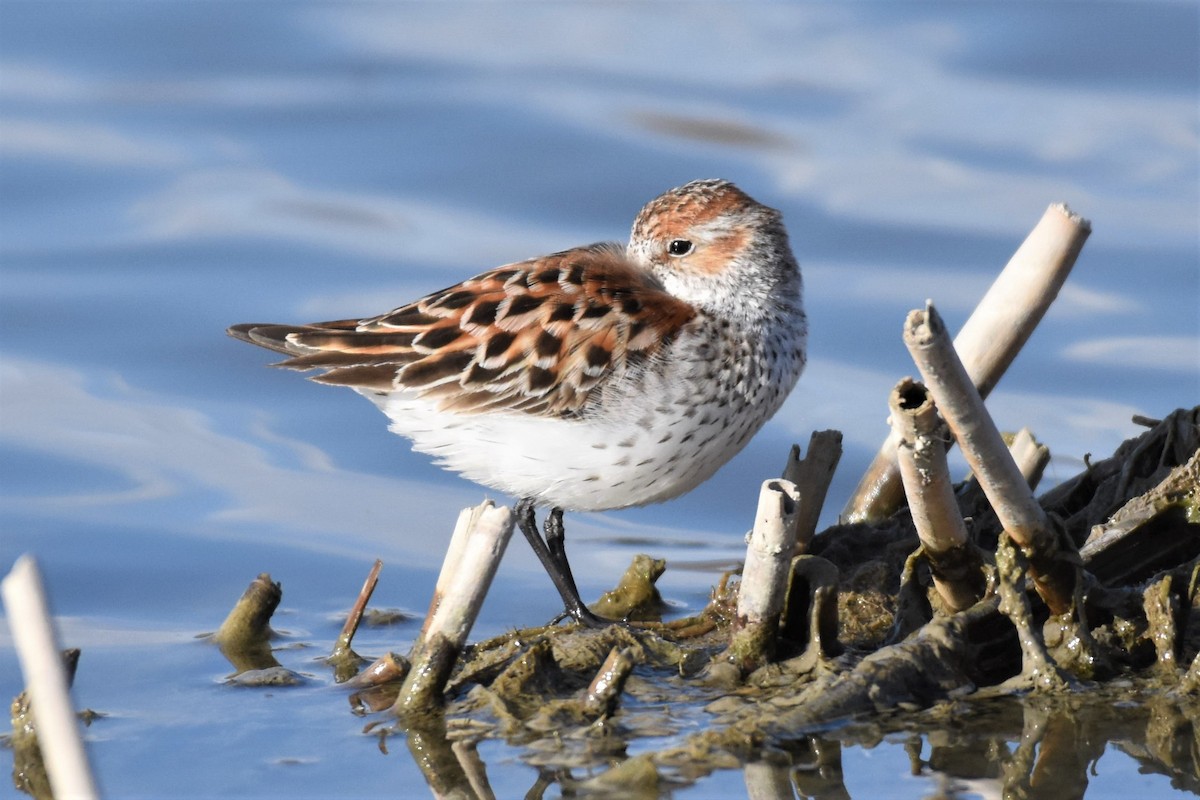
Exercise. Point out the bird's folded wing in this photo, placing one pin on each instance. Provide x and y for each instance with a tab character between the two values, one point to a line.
539	336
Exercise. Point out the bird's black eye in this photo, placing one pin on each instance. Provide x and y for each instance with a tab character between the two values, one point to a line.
679	247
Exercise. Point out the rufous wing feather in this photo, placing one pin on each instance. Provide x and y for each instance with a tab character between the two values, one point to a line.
538	336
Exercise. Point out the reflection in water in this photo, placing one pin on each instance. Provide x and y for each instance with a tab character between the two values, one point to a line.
439	762
818	769
1031	747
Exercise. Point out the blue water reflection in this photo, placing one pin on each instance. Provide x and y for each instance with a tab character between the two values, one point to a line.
170	169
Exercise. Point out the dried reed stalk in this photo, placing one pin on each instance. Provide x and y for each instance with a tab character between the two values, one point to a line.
604	691
341	648
388	668
990	339
1007	491
1031	456
955	563
46	682
480	538
812	476
763	588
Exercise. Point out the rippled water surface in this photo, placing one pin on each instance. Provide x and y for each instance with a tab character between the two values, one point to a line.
169	169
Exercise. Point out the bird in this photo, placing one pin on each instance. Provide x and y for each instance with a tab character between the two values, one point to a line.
592	379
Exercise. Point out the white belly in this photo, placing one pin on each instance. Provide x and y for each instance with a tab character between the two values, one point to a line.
649	439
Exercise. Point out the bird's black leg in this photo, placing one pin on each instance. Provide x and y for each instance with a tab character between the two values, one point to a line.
552	552
556	537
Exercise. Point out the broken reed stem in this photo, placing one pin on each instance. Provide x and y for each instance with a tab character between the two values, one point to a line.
1031	456
245	635
983	447
763	588
956	565
342	658
342	646
600	699
923	466
387	668
249	621
812	476
46	682
990	339
480	538
460	594
1020	296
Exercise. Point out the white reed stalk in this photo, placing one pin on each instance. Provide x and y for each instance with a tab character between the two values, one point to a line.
923	467
955	564
991	338
763	590
812	476
454	552
46	682
960	404
769	553
983	447
472	567
1020	296
480	538
1031	456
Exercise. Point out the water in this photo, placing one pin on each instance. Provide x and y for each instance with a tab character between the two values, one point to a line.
170	169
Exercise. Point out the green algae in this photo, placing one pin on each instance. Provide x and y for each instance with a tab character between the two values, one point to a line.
635	597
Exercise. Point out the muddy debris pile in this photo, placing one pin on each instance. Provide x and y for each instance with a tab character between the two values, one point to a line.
862	641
